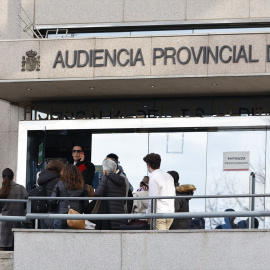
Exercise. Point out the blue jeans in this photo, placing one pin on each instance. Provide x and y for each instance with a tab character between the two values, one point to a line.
60	224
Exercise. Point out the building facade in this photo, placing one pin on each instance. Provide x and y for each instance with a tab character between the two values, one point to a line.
188	79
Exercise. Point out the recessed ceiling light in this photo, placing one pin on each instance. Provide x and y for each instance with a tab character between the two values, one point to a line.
28	89
214	84
92	87
152	86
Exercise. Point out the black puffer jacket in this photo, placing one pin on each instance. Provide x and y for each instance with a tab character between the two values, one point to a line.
182	205
48	179
60	190
116	188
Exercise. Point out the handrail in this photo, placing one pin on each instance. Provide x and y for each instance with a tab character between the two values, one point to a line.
14	200
153	216
149	216
150	197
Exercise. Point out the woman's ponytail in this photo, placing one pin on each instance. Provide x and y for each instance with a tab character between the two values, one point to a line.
7	176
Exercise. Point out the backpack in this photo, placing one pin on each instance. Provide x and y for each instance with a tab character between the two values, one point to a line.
38	206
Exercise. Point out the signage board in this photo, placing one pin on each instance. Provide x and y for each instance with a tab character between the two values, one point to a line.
236	161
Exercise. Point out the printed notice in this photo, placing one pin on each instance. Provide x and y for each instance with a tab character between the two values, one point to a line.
236	161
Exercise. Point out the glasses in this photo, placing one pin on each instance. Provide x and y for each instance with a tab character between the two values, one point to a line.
78	151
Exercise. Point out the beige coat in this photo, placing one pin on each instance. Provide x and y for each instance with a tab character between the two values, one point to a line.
140	206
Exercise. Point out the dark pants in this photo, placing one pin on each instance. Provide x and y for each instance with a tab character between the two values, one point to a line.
59	224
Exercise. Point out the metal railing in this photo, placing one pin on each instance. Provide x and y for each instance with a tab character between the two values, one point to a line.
152	216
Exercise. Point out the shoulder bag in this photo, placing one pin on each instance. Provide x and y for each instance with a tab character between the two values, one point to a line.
76	224
102	207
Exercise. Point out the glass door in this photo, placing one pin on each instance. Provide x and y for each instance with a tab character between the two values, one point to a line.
220	181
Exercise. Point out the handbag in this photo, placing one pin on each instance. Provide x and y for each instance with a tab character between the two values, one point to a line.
75	224
102	207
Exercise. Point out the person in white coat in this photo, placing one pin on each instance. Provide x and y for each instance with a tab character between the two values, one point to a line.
160	184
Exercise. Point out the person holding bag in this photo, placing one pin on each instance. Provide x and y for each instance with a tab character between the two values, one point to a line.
71	184
112	185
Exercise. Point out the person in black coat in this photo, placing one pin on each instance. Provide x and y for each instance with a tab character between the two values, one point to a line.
181	204
116	188
49	178
86	168
71	184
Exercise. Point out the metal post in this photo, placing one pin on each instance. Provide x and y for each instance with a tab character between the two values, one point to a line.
151	220
28	206
251	199
155	210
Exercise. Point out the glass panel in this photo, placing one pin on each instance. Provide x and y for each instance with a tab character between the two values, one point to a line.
267	182
162	32
233	30
190	163
129	147
234	182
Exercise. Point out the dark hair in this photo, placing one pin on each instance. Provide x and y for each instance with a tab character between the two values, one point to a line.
256	223
78	146
55	165
7	175
72	177
113	156
153	160
175	177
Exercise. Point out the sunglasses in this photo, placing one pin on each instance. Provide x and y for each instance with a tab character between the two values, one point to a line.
78	151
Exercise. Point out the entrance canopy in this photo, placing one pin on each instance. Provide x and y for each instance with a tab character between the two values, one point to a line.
42	90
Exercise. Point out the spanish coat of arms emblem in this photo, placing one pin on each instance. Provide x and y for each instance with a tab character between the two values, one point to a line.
32	62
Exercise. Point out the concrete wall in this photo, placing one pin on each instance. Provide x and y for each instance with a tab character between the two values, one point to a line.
6	260
9	20
50	12
9	123
63	12
129	250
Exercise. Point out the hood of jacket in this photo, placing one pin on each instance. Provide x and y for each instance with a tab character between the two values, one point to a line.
186	189
46	176
117	179
142	193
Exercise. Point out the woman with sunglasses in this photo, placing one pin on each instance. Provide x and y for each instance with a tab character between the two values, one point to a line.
86	168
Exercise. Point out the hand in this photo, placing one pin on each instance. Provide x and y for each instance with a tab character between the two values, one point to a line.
82	157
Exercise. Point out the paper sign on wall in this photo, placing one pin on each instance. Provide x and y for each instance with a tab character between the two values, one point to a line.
236	161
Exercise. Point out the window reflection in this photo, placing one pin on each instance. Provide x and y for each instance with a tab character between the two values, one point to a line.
200	162
62	33
234	182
